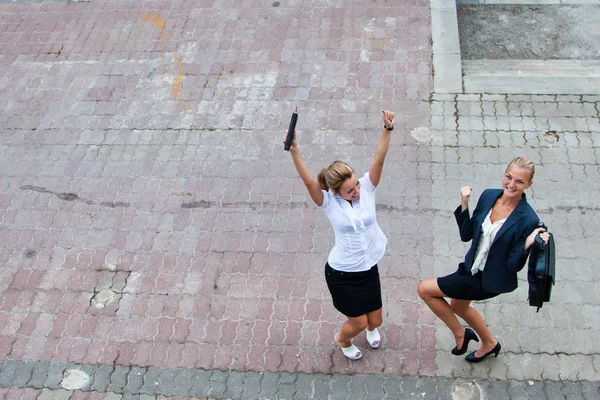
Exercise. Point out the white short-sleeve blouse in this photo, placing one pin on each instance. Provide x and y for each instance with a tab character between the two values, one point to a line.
359	241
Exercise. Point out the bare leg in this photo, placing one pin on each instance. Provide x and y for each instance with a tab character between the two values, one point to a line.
374	319
430	292
352	327
463	309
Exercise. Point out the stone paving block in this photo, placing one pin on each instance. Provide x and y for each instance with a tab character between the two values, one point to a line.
23	374
54	375
118	379
218	384
151	381
338	385
452	97
201	384
38	375
8	373
410	388
166	381
553	390
135	380
235	385
286	385
101	378
304	387
321	387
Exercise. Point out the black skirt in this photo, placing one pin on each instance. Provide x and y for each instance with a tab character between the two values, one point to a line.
354	293
464	287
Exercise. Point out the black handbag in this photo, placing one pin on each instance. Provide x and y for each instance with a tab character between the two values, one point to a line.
541	270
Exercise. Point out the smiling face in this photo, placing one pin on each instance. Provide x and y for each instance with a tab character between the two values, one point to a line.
516	180
350	189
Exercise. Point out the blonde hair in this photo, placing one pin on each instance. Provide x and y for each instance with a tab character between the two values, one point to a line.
525	163
334	176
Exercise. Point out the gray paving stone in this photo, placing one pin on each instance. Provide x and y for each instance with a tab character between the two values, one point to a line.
166	381
304	387
38	375
286	385
410	388
553	390
23	374
499	390
321	386
101	378
218	384
339	386
151	381
444	388
135	380
55	375
374	387
201	384
235	385
251	387
8	373
428	388
118	379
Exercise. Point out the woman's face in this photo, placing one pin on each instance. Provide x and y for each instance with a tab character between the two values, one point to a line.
516	180
350	189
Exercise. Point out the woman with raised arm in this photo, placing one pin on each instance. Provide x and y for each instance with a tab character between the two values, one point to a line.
351	270
502	229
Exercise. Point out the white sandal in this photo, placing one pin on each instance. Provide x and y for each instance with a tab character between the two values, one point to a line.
373	338
352	352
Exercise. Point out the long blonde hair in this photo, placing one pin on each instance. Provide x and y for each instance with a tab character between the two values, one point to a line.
334	176
525	163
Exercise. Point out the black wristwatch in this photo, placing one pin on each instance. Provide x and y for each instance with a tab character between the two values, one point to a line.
389	129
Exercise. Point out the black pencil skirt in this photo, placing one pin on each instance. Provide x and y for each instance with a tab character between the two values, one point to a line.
354	293
463	287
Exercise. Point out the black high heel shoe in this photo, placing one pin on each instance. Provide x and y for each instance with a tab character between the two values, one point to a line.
474	359
469	335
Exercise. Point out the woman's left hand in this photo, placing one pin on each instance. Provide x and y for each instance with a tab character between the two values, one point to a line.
531	238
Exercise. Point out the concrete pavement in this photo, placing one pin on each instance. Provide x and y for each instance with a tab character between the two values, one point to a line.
155	236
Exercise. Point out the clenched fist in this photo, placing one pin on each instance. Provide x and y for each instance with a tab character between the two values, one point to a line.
465	196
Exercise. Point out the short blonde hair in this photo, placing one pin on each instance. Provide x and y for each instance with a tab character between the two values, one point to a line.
525	163
334	176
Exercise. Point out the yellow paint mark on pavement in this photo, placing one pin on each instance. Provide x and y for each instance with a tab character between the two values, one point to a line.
177	83
161	24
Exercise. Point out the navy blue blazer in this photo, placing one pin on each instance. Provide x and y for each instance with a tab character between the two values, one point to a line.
506	256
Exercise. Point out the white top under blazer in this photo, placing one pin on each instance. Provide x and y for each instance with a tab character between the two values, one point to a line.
359	241
488	234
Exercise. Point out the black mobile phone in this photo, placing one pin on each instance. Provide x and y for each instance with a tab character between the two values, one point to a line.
290	134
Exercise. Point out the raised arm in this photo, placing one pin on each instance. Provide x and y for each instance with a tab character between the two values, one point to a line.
314	189
382	148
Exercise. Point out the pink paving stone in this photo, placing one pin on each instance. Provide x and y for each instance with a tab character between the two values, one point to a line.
207	356
6	343
158	354
174	355
375	360
410	362
142	353
273	358
290	359
127	353
222	357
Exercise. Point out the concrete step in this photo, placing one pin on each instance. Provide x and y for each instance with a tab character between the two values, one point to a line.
531	76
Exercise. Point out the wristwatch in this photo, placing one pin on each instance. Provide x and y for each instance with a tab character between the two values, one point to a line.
388	128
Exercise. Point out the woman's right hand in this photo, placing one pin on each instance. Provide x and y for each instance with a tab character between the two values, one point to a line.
465	196
294	144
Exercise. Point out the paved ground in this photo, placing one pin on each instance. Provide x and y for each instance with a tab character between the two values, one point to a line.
528	32
156	238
